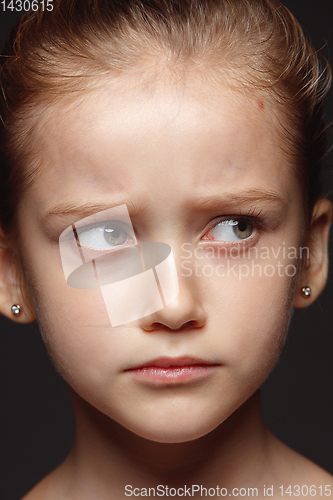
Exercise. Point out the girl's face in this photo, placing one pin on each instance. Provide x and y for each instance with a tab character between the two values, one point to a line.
204	172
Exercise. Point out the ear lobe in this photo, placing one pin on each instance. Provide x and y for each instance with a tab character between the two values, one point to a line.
11	290
315	265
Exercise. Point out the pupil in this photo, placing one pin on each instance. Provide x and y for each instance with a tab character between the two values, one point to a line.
115	233
242	225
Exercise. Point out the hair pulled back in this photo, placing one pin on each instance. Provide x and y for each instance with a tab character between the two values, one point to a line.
258	43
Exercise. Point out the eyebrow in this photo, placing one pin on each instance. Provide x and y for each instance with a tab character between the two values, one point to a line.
231	200
86	209
72	212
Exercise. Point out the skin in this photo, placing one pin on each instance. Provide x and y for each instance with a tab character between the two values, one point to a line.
165	154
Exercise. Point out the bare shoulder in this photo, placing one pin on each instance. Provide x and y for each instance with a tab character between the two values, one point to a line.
52	487
292	469
40	491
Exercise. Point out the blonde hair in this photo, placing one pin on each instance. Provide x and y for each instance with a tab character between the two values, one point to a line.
258	43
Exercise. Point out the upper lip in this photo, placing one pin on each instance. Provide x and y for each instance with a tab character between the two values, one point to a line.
176	362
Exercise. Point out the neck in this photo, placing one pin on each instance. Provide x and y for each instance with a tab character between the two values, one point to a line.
108	456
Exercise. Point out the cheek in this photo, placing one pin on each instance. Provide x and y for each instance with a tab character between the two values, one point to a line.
252	316
74	323
261	327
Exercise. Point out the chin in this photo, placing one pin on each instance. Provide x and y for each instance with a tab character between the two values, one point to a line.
172	435
173	430
175	419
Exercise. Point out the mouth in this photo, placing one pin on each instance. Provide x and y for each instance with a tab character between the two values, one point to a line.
173	370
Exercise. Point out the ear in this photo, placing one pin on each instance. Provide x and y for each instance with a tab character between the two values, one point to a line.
12	291
315	256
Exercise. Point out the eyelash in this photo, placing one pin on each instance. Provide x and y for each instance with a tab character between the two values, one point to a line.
92	225
258	220
81	231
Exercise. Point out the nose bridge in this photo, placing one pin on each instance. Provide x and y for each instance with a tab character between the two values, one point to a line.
185	310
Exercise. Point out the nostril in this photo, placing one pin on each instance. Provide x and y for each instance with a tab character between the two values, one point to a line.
189	325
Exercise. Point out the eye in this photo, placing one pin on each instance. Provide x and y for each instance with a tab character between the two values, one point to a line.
115	235
105	236
232	230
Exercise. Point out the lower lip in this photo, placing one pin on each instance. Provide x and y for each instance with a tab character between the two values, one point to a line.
172	374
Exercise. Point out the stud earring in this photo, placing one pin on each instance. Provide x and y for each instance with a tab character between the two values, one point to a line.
306	291
16	310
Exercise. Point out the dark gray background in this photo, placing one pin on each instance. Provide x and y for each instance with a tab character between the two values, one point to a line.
36	424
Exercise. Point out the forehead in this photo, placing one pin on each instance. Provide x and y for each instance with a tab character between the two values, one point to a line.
134	139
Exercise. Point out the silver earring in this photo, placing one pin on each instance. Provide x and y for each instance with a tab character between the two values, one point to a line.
306	291
16	309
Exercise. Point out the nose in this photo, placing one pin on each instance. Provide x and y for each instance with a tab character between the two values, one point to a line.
183	313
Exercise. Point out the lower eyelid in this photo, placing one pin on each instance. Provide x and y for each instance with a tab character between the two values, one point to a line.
246	241
229	246
90	254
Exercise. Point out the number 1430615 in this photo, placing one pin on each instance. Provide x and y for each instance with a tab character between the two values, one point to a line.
26	5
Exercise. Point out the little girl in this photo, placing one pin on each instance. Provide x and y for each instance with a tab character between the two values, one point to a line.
161	217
